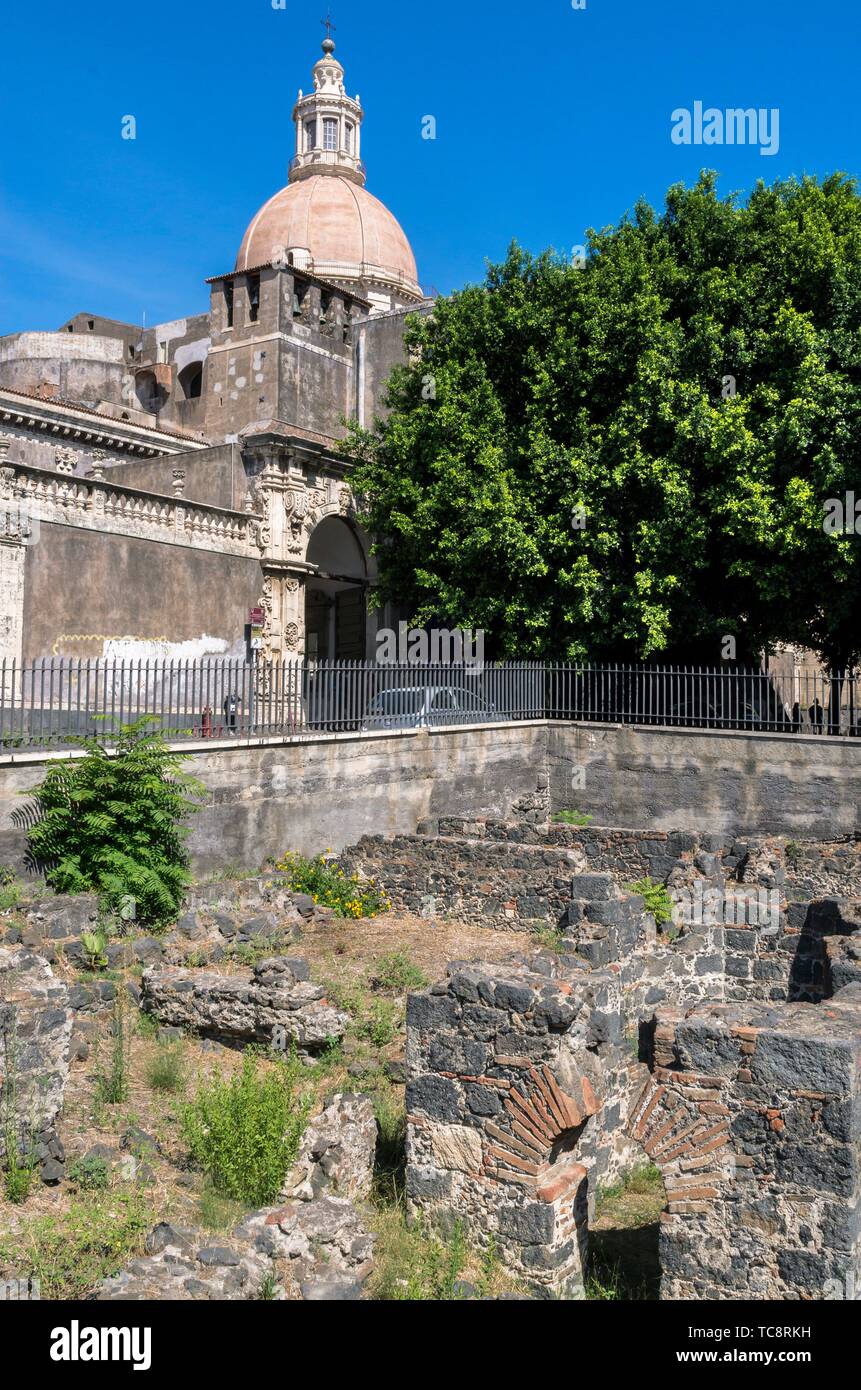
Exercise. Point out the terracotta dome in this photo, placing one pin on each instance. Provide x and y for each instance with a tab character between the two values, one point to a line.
335	228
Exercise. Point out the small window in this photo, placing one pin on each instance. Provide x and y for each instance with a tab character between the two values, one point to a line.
330	134
348	138
310	134
91	324
228	301
253	298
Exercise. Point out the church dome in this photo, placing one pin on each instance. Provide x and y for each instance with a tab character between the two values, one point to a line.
325	221
333	227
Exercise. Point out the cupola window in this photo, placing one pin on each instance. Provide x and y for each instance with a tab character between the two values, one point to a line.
310	134
330	133
348	137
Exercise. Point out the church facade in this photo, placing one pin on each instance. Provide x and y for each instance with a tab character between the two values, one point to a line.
159	484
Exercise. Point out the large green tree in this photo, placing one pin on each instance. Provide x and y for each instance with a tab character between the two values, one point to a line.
632	457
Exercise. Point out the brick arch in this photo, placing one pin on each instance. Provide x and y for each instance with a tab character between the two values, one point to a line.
682	1124
542	1118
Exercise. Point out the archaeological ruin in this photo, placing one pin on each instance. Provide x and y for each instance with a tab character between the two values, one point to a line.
725	1050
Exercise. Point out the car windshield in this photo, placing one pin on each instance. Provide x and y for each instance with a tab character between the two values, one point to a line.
391	702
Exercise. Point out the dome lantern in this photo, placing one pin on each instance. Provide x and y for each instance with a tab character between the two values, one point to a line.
328	124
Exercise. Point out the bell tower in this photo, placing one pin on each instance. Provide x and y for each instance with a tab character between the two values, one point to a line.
328	123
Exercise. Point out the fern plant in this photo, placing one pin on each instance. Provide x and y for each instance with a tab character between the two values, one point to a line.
113	823
656	897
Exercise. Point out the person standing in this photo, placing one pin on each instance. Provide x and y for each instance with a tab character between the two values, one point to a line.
231	711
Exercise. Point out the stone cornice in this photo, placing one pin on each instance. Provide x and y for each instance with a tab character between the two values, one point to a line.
63	420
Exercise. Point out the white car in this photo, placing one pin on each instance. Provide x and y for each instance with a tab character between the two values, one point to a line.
422	707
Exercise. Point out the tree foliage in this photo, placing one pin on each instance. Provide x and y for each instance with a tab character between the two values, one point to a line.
693	390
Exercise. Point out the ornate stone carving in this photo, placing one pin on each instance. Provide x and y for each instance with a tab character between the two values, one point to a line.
65	460
291	636
179	482
345	501
296	511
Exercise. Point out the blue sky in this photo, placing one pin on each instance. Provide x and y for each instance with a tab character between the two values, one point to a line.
549	120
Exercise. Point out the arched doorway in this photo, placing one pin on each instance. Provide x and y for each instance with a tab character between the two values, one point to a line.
336	594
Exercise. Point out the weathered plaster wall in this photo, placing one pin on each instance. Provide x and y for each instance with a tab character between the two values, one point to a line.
382	349
214	476
81	368
85	585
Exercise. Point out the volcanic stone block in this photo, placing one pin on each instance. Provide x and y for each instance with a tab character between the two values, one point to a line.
269	1005
753	1115
35	1031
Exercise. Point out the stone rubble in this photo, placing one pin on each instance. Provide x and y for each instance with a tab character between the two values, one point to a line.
314	1246
336	1155
274	1004
301	1250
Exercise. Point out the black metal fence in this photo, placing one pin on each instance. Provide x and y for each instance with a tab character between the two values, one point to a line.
56	702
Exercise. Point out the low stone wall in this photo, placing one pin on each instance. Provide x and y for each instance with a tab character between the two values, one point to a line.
803	786
265	797
327	791
501	885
